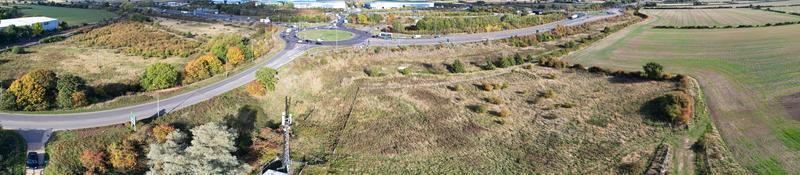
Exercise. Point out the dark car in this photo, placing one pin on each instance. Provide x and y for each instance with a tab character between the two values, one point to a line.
33	160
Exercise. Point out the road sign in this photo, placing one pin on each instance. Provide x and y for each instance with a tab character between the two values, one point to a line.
133	121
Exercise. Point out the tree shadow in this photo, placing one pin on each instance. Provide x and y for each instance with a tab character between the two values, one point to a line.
245	123
626	80
651	111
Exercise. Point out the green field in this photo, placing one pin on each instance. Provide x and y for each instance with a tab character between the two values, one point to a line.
73	16
325	35
744	73
12	153
717	17
793	9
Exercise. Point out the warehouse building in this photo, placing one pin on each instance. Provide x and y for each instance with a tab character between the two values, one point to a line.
304	4
46	22
230	1
399	4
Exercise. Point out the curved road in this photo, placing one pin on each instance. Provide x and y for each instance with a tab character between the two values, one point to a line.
292	51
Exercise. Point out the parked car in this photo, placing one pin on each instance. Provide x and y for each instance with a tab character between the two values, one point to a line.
33	160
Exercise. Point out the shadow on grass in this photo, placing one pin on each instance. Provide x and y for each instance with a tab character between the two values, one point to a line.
651	110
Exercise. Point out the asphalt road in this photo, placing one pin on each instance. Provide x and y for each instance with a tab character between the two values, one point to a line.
293	50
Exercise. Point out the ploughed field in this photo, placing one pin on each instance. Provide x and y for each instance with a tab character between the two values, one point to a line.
744	72
717	17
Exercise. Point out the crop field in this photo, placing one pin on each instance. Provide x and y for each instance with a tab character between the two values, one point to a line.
73	16
325	35
717	17
745	73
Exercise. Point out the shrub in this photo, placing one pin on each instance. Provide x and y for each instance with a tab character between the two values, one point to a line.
481	109
405	71
254	88
79	99
159	76
676	107
457	87
550	76
505	62
136	38
495	100
93	161
487	86
489	66
504	112
52	39
122	156
653	70
35	90
457	67
373	72
161	131
548	94
7	100
267	77
17	50
67	85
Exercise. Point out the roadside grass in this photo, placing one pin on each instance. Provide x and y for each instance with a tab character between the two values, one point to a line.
325	35
743	71
793	9
141	97
73	16
717	17
12	152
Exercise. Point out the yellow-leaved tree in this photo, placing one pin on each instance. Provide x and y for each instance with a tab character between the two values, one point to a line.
35	91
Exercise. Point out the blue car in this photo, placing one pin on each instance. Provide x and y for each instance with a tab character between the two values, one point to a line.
33	160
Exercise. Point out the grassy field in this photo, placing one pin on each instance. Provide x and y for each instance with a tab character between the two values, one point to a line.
795	9
743	71
717	17
73	16
12	152
325	35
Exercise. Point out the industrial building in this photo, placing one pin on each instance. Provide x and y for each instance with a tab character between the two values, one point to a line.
230	1
303	4
399	4
46	22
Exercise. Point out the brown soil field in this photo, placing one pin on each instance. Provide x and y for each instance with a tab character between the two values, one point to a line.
792	105
202	28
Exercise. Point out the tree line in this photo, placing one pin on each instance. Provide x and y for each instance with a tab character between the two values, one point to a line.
480	24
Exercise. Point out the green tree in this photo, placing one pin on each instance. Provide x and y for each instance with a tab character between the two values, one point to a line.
67	85
159	76
37	29
397	27
457	67
653	70
35	90
7	100
506	62
268	77
210	153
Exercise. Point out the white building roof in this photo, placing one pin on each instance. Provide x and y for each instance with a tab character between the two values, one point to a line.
26	21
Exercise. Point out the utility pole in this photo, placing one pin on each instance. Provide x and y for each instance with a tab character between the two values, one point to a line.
158	104
286	123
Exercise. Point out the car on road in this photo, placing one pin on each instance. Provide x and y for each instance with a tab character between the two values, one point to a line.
33	160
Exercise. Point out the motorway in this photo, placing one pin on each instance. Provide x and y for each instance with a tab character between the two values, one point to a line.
55	122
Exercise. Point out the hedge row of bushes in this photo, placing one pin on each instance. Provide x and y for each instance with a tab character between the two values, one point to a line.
728	26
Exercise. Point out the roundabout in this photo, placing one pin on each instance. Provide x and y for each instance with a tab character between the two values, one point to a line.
325	35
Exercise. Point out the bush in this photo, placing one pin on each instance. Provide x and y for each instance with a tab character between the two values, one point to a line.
122	156
53	39
7	100
495	100
504	112
489	66
653	70
161	131
481	109
93	161
457	67
457	87
67	85
254	88
373	72
159	76
505	62
267	77
676	107
405	71
35	91
17	50
235	57
487	86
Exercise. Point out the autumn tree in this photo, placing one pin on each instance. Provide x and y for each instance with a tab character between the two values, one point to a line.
266	143
254	88
68	85
202	68
35	90
93	161
122	156
268	77
161	131
159	76
235	57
